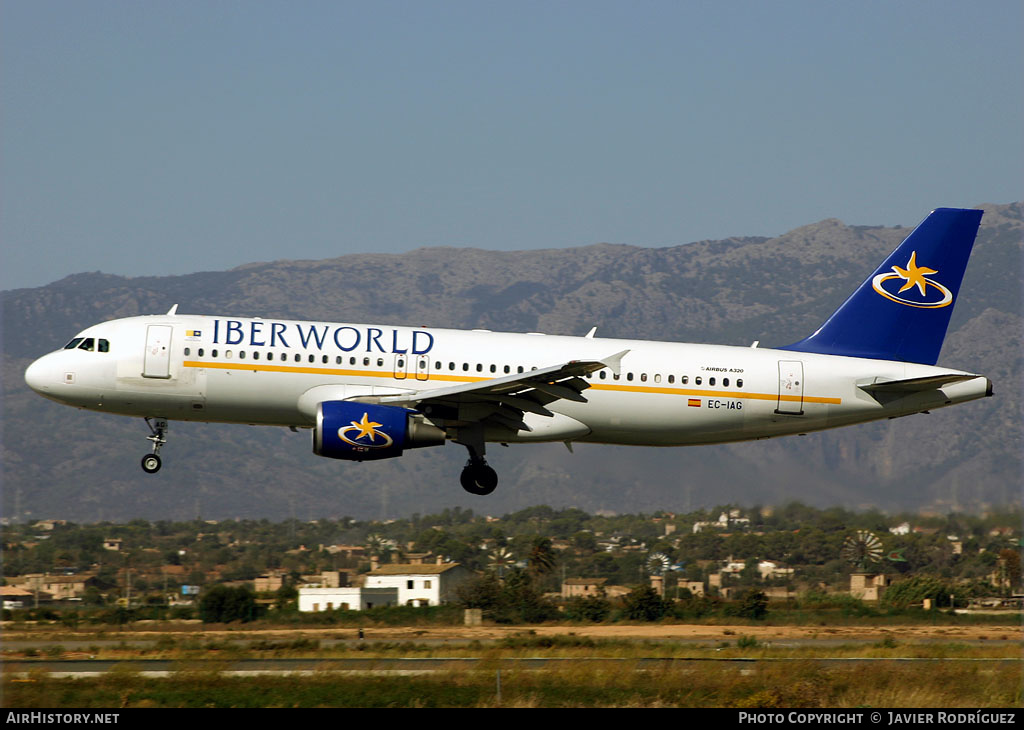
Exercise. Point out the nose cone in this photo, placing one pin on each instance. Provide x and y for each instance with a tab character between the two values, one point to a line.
40	376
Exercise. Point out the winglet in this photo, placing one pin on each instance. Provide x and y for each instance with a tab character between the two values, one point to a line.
614	362
590	335
172	311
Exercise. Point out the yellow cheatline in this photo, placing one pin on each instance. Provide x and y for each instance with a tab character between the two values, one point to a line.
467	379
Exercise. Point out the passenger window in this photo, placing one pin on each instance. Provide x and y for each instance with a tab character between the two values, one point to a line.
494	368
241	354
615	376
629	376
697	380
465	366
739	383
213	353
298	357
187	351
725	382
437	365
227	354
671	378
657	378
312	359
325	359
337	360
366	362
519	369
380	362
603	375
508	369
200	352
88	344
104	346
73	344
711	381
643	377
479	368
256	355
685	379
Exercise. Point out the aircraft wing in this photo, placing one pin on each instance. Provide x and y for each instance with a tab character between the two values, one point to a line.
503	401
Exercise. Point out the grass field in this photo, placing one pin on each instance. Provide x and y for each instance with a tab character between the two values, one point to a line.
954	668
575	684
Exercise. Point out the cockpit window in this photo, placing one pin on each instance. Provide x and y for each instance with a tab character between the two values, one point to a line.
104	346
73	344
88	344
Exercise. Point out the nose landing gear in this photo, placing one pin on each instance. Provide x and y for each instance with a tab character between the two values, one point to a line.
158	431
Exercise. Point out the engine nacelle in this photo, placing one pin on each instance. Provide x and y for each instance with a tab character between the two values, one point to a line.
362	431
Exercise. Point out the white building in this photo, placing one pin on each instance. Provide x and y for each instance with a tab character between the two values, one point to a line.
349	599
420	585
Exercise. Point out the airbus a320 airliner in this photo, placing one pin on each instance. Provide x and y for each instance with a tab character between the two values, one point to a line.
372	391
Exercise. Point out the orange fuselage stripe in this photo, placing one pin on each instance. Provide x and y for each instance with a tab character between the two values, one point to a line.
470	379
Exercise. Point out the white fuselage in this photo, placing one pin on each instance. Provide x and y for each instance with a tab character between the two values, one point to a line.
275	372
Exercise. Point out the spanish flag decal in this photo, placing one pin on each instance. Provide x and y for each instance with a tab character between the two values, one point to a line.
693	402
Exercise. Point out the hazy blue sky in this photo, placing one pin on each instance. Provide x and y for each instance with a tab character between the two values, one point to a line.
149	138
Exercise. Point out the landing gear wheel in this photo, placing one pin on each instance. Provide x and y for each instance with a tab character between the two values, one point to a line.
151	463
479	479
158	435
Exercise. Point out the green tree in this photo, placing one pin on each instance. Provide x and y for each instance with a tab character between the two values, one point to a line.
541	559
483	592
525	599
588	608
286	597
644	604
222	604
915	589
754	604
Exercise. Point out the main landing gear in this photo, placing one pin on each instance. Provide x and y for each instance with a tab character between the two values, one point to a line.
477	477
158	432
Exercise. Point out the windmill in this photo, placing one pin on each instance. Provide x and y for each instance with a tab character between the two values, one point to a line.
658	563
861	549
500	558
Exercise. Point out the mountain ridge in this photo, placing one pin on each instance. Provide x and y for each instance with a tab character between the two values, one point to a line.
733	291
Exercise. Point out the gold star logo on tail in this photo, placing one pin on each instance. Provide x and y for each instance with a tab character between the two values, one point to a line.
913	276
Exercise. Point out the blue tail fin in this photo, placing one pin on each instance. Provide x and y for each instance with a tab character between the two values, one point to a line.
902	311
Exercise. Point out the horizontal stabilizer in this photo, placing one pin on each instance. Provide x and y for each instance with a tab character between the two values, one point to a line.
913	385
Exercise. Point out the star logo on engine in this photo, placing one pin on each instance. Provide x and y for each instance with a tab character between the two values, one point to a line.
367	430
